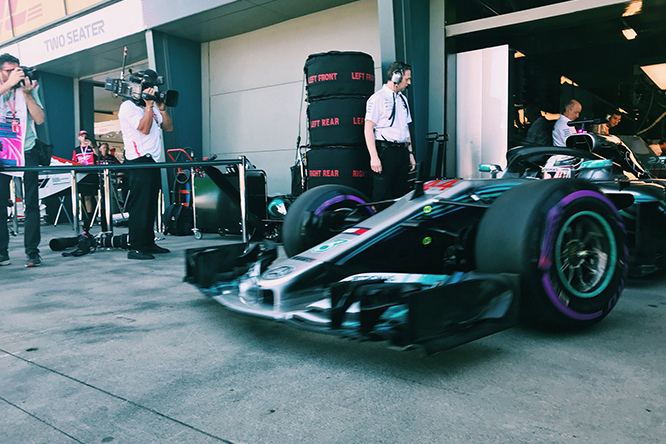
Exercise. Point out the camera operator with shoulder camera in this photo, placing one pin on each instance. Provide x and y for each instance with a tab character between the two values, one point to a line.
20	110
142	120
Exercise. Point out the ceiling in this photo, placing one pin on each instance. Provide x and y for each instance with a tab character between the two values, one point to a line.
243	16
589	48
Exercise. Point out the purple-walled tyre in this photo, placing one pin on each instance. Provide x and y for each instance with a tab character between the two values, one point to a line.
567	241
321	213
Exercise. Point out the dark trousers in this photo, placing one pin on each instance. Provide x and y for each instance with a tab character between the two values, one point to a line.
32	235
144	186
393	181
4	199
88	187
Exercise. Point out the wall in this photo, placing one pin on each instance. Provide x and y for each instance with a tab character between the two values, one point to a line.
253	84
179	61
57	94
482	109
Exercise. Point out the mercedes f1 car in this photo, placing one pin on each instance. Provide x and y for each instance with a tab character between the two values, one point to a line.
456	260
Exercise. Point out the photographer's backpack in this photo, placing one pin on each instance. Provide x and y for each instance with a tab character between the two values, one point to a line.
178	220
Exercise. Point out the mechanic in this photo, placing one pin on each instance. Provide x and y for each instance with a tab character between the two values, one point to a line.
141	123
20	106
561	130
387	136
87	183
613	120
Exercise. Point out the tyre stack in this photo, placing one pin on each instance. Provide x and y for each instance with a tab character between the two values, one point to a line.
338	85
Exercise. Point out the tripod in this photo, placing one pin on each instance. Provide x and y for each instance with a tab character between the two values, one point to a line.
116	200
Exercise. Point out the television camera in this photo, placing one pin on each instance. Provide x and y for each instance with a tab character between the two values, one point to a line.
133	87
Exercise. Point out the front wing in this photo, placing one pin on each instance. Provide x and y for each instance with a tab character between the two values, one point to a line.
429	312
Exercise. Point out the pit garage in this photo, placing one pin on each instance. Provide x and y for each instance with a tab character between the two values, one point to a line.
607	56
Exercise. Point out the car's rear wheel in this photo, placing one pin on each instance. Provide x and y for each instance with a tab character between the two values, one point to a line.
567	241
321	213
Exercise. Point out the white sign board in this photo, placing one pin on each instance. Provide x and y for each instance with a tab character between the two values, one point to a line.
102	26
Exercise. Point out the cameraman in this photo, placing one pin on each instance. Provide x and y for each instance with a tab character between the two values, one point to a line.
20	106
141	122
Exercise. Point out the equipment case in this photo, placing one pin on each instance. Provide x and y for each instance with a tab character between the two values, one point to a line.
217	201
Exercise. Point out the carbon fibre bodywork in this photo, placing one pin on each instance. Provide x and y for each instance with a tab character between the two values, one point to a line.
419	274
359	284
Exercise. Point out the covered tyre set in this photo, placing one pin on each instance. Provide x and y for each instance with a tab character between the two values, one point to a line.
338	85
564	238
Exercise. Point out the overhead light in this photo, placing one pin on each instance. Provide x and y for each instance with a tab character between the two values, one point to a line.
656	73
518	55
629	33
633	8
567	80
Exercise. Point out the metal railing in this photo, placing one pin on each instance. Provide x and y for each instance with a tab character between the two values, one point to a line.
105	170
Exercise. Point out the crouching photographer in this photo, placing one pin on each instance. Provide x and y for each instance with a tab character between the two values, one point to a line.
142	119
20	111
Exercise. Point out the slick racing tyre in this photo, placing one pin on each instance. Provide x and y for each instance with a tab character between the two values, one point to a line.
321	213
567	242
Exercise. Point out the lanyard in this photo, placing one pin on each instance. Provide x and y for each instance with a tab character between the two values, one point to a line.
11	104
12	108
392	116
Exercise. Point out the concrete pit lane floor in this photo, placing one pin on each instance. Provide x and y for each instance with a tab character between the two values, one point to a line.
101	349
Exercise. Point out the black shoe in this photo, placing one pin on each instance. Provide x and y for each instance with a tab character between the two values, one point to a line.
156	249
33	261
141	255
4	260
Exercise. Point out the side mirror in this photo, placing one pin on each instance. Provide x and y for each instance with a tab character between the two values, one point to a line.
490	168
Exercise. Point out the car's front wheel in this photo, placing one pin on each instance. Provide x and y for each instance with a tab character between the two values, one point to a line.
567	241
321	213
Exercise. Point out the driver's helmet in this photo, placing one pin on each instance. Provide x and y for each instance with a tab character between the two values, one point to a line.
560	166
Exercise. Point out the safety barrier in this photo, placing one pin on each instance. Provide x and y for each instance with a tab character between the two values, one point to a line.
105	170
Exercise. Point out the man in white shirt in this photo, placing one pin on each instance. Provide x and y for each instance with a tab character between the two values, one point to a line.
387	136
141	123
561	130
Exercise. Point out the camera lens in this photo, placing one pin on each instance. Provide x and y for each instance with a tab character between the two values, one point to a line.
120	241
63	243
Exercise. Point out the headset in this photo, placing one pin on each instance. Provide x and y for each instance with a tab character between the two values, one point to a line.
397	75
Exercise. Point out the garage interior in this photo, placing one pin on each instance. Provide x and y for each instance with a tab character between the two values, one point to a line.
583	55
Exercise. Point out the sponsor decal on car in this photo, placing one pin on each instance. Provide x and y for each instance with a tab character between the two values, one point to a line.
439	185
278	272
323	248
356	231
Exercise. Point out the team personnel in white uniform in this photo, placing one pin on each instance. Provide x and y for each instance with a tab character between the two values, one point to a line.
561	130
387	138
141	124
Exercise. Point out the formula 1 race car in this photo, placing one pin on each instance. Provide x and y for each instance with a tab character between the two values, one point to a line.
456	260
